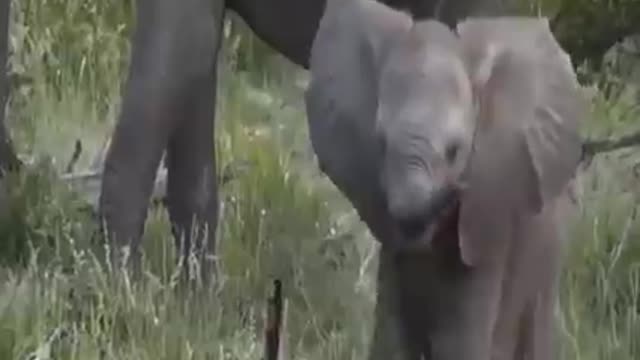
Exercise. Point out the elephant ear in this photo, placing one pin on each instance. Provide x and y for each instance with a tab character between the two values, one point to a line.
341	98
527	144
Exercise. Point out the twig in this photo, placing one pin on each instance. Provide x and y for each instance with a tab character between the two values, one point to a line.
275	321
74	157
88	184
593	147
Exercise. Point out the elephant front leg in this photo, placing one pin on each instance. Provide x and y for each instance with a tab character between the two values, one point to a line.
173	53
431	307
469	303
389	340
192	191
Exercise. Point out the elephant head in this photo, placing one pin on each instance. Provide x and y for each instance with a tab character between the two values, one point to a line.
504	126
415	124
390	115
424	126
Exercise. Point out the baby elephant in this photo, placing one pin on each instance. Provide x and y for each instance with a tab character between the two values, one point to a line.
457	150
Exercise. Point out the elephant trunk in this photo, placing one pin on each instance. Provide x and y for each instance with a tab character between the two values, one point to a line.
416	207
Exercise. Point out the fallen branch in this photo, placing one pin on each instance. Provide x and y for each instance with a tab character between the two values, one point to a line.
593	147
88	183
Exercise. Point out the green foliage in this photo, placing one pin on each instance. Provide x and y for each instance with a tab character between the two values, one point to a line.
42	215
587	28
65	43
600	287
275	224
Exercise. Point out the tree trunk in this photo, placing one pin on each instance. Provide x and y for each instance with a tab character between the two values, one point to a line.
8	158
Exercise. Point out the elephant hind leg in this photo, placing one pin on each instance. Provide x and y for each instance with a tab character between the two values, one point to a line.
192	188
192	195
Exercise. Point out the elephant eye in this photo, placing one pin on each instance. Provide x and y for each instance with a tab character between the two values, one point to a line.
451	151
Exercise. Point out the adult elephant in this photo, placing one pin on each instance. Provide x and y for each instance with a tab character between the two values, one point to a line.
169	103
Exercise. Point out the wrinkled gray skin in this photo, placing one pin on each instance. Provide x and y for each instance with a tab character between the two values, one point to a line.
457	152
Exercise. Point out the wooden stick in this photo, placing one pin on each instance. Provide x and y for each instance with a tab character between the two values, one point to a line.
74	157
593	147
274	333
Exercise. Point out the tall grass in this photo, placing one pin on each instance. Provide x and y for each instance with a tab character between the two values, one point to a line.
280	218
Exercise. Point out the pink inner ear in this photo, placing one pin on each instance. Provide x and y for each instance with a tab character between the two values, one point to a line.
483	69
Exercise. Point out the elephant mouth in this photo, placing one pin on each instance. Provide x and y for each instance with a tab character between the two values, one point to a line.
419	234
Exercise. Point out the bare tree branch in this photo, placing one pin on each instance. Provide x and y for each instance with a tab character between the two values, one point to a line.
593	147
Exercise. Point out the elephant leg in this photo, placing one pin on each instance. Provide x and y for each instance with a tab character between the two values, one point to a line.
525	327
8	158
541	344
192	182
529	335
467	308
173	49
431	307
389	341
537	343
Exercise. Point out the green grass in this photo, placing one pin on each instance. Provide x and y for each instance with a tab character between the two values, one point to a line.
280	219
